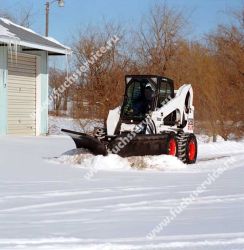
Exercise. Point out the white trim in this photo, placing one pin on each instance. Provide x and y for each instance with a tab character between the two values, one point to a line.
65	51
38	95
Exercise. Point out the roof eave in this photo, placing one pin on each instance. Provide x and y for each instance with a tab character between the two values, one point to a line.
50	50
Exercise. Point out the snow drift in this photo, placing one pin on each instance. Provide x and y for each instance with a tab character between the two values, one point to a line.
83	159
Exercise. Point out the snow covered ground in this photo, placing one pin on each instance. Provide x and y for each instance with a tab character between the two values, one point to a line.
52	198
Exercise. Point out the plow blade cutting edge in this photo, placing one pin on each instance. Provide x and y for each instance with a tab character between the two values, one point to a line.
86	141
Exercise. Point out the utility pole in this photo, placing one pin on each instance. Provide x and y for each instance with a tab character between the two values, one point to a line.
48	3
47	17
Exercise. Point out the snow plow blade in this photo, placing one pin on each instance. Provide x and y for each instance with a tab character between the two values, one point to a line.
82	140
140	145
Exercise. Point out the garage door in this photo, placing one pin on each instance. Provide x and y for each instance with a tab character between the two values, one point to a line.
22	95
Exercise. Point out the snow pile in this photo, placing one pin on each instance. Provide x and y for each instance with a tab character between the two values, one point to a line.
159	162
110	162
83	125
85	160
82	158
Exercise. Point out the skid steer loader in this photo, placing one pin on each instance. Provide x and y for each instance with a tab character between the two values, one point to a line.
154	119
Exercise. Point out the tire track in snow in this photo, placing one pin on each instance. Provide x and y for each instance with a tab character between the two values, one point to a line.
204	241
61	203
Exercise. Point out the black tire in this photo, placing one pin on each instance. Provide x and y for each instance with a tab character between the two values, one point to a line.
171	147
187	148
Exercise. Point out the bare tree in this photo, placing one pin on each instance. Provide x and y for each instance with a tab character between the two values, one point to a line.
158	39
102	84
56	80
227	44
25	18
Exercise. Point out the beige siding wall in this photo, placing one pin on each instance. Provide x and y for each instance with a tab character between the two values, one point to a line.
22	94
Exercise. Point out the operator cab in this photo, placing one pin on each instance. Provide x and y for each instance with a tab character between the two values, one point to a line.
145	93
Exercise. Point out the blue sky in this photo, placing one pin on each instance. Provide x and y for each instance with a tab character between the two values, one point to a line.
204	15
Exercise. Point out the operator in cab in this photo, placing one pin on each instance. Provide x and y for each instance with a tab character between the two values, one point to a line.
145	102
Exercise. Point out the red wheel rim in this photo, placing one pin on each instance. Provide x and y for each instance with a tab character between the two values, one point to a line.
191	150
172	147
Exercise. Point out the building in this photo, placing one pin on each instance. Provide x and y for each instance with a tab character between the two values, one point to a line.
24	79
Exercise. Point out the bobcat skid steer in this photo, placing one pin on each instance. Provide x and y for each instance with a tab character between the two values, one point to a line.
154	119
